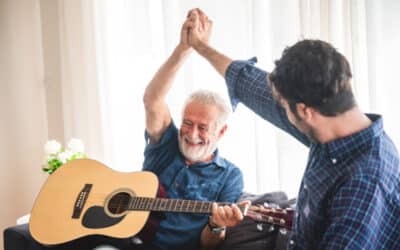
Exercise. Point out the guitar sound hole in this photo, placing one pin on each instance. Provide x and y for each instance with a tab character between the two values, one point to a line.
119	203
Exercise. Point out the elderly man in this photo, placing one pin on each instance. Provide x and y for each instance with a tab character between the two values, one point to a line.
187	161
349	196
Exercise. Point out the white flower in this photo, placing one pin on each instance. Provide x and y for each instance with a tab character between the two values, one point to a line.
52	147
64	156
48	158
56	156
76	145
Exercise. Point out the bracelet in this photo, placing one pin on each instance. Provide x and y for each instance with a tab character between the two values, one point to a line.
215	229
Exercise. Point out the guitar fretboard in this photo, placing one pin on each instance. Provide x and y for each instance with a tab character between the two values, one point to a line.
170	205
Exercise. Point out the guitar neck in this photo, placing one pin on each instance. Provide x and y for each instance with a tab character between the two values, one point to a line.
171	205
276	216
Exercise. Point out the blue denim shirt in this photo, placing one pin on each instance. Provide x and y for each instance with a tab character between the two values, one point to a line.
218	180
349	196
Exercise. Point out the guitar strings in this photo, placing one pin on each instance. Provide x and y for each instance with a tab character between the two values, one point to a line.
101	199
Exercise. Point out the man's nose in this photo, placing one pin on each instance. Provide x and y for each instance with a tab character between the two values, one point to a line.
193	132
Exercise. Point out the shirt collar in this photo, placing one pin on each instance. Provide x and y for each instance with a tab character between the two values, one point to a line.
342	147
217	160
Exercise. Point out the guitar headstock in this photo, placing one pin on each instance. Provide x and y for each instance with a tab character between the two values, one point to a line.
277	216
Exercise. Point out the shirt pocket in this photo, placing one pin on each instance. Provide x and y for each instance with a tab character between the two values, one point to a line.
203	191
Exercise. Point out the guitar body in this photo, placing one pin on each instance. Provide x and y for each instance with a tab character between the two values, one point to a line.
84	197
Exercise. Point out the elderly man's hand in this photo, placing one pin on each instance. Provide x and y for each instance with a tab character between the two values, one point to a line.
227	216
184	41
200	28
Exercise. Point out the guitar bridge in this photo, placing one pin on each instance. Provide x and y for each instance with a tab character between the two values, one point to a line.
81	200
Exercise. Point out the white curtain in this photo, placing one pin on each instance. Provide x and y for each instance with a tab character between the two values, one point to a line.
79	79
133	38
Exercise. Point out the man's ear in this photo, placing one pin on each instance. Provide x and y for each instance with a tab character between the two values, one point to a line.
222	131
305	112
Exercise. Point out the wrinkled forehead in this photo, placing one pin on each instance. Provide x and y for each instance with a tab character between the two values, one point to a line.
199	112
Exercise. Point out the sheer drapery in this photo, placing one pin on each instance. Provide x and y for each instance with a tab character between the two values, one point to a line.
79	80
133	38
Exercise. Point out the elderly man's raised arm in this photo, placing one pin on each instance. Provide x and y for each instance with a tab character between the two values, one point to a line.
158	116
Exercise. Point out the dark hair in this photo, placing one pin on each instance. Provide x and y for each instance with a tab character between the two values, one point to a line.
316	74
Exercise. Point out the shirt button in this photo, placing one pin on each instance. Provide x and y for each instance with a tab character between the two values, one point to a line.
291	242
334	160
305	186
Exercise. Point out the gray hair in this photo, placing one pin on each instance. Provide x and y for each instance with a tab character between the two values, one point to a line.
207	97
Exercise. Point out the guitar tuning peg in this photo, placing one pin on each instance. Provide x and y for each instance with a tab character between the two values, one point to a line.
271	228
274	205
260	227
136	240
283	231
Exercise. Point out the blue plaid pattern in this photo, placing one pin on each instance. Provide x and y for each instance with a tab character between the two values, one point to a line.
349	196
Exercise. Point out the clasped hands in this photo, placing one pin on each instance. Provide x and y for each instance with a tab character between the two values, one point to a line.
196	30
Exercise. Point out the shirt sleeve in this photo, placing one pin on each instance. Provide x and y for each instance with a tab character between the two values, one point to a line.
358	217
248	84
233	186
158	156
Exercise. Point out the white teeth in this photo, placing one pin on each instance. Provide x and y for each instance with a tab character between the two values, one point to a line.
194	141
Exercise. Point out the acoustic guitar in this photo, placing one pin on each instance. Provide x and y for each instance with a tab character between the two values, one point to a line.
84	197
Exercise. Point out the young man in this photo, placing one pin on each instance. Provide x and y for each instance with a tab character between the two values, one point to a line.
187	162
350	192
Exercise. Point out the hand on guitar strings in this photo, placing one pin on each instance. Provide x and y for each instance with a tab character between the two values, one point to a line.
228	215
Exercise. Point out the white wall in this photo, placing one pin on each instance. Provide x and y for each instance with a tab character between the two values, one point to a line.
23	124
45	50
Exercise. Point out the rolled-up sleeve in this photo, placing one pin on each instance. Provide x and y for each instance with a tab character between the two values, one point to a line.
248	84
158	156
232	75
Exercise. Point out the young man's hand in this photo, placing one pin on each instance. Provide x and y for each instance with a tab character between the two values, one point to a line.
200	28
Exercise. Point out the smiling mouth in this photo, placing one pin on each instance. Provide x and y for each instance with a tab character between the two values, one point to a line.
200	143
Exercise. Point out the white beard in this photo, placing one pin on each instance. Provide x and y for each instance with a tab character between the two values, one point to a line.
199	152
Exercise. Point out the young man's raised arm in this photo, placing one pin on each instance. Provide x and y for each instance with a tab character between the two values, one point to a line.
198	38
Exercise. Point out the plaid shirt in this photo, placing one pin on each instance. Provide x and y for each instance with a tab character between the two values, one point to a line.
349	196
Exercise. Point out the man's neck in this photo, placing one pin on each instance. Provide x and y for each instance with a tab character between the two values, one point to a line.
346	124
